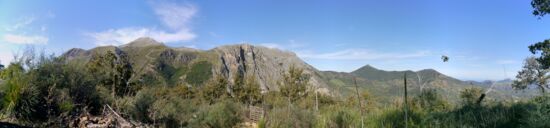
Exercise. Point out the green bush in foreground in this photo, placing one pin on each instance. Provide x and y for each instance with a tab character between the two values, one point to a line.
225	114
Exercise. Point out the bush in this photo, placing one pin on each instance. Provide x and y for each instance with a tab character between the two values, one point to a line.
539	115
172	111
430	101
344	119
22	100
395	117
291	117
225	114
143	101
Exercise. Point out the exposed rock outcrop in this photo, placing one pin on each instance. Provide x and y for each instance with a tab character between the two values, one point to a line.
267	64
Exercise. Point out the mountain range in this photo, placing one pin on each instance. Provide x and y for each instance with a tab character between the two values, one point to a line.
155	63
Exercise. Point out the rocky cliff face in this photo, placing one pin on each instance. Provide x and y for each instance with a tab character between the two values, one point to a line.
266	64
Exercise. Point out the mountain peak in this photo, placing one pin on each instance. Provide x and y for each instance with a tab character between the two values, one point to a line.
143	42
367	67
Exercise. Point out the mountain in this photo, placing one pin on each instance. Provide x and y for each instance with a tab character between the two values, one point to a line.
155	63
388	85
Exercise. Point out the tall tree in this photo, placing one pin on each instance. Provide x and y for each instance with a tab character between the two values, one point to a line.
112	69
252	90
532	73
294	84
246	90
541	8
214	89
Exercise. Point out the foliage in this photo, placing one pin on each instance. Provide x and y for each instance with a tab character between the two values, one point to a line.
538	115
246	90
215	89
171	111
294	84
20	98
223	114
111	69
532	73
470	96
343	118
291	117
199	73
430	100
541	7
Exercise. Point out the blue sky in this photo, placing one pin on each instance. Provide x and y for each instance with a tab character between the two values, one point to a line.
484	39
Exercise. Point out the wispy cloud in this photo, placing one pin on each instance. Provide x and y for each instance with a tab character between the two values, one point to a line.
362	54
21	23
25	39
290	45
25	31
176	17
126	35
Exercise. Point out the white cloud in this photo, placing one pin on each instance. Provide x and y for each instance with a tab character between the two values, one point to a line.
362	54
176	17
21	23
25	39
126	35
292	44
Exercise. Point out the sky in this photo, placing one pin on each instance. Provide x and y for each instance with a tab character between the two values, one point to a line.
484	39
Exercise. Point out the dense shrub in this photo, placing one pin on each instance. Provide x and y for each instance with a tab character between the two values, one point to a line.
225	114
290	117
430	100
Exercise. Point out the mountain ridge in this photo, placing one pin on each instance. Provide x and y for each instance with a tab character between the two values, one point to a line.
168	65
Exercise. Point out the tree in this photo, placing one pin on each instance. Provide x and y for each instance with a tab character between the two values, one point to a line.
294	84
111	69
246	90
541	7
544	49
214	89
237	89
252	90
532	73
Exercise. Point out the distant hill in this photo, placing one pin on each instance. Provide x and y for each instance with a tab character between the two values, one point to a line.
388	85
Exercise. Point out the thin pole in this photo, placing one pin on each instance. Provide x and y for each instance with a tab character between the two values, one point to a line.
358	99
405	100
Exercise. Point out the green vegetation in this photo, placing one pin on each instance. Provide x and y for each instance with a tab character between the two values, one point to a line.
199	73
45	91
176	90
